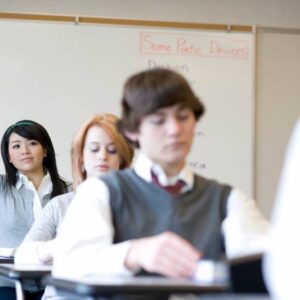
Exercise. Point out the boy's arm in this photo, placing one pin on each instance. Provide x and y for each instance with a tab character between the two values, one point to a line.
85	237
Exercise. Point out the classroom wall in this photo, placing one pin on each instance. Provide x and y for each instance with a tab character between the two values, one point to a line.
277	68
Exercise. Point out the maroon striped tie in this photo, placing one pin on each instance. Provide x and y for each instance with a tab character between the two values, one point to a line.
172	189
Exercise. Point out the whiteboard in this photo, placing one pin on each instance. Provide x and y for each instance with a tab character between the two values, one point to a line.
60	74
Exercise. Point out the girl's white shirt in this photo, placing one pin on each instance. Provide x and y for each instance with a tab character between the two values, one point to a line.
45	188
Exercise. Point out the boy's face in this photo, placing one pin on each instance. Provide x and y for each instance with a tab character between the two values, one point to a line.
166	137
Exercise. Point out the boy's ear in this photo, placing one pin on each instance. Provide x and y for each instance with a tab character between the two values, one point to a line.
132	136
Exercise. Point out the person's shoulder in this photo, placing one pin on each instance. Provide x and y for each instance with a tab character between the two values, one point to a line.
91	186
102	183
63	197
203	181
61	200
118	173
118	176
212	187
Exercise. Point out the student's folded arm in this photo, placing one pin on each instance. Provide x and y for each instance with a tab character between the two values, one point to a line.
85	237
37	246
245	228
34	252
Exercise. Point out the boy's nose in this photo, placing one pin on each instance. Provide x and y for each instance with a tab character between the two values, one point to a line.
173	126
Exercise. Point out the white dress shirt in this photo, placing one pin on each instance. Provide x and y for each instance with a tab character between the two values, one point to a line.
282	263
43	230
45	188
84	242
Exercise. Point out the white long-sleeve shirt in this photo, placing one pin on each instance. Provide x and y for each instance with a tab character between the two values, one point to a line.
85	241
282	262
45	188
43	231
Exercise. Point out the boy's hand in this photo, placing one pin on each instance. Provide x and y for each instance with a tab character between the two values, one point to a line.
167	254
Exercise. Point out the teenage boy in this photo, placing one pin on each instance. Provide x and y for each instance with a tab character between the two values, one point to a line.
159	216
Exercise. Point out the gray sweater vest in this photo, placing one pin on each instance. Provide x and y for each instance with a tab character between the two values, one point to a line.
141	209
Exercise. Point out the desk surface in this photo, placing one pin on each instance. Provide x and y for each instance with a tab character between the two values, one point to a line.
233	297
6	260
24	271
110	285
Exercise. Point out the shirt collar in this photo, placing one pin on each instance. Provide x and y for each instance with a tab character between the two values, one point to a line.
45	186
21	179
143	166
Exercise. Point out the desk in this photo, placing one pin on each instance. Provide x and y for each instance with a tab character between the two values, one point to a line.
246	274
19	273
234	297
97	286
245	283
6	260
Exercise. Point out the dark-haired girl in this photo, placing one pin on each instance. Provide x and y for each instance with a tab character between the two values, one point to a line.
31	180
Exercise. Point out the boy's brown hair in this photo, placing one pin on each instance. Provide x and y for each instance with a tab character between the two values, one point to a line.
150	90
